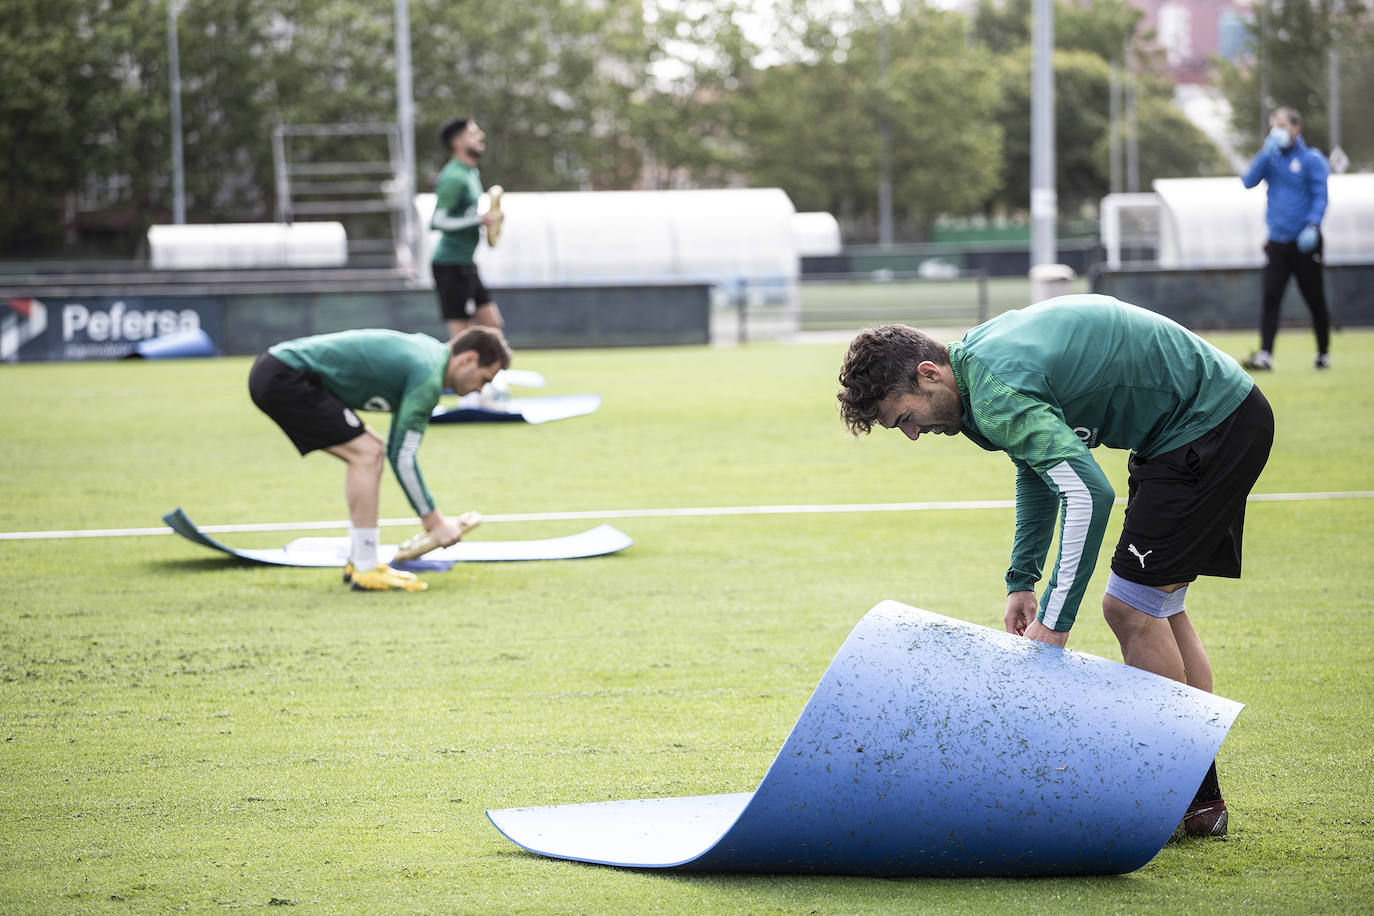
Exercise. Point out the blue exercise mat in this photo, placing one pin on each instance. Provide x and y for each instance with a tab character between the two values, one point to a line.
520	410
933	747
333	552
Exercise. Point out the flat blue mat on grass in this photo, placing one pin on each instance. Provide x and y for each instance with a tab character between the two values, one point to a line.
333	552
933	747
519	410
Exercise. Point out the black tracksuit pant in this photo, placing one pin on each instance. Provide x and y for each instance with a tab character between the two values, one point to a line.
1285	260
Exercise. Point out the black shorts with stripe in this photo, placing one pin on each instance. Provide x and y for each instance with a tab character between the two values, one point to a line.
461	292
1185	509
310	414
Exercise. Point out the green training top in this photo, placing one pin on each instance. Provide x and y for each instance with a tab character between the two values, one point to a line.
1047	383
382	371
458	190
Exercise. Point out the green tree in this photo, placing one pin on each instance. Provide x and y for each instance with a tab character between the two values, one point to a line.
1088	38
552	82
812	125
1170	146
1290	42
79	86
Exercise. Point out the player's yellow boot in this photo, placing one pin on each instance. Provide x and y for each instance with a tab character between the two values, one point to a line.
382	579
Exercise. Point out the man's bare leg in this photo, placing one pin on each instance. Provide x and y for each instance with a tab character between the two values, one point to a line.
489	315
365	456
1195	662
1146	642
1169	646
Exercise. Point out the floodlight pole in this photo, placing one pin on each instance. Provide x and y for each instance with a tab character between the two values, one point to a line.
1044	202
1132	134
884	144
1114	120
1262	64
174	87
405	121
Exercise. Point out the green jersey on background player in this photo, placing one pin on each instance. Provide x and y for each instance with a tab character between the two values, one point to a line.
1047	384
463	299
312	386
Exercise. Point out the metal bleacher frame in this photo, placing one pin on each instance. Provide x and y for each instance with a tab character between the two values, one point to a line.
321	187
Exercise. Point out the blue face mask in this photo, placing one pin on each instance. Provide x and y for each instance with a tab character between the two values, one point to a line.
1281	136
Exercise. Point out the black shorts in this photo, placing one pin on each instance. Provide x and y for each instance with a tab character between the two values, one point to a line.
310	414
461	292
1185	509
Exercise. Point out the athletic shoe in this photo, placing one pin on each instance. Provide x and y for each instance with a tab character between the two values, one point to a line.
1260	360
1207	819
1323	361
382	579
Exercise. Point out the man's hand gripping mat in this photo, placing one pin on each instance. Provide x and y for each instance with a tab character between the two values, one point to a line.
933	747
321	552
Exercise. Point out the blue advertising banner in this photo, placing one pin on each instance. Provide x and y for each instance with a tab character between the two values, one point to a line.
100	327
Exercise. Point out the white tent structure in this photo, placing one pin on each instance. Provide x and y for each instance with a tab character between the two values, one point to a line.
226	246
1219	223
745	242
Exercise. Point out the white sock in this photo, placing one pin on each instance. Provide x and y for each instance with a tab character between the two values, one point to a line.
363	550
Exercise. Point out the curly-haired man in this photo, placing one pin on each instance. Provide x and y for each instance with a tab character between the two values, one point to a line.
1045	385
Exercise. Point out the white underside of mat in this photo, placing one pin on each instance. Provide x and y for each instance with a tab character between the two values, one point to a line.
531	410
333	552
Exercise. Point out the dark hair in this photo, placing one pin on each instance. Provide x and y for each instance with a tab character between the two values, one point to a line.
882	362
488	343
1290	115
451	129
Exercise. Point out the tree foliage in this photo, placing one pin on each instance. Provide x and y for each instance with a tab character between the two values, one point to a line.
1289	43
573	94
814	124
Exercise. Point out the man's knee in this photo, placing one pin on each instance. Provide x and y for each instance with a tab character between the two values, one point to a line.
365	452
1123	619
489	316
1129	606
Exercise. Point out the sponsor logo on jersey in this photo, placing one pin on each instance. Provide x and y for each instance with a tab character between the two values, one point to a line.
1089	436
377	403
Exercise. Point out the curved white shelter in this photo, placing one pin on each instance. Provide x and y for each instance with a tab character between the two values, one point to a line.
743	241
1218	222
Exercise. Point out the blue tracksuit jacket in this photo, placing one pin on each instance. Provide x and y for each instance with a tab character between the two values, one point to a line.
1297	188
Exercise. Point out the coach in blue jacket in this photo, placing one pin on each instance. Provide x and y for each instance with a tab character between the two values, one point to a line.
1295	174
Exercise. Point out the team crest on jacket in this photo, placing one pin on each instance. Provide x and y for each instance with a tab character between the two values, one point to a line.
1295	166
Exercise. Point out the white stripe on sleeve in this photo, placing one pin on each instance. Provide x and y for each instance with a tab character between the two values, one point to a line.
408	473
1078	517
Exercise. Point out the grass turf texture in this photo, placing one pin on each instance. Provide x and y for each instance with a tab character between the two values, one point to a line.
922	303
181	730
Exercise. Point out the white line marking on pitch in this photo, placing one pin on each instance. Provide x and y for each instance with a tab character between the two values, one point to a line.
602	514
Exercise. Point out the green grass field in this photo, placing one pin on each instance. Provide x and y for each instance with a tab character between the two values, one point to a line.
184	732
922	303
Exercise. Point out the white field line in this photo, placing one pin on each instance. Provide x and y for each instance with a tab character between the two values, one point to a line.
605	514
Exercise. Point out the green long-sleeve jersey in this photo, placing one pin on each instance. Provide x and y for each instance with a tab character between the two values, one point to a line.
1047	383
384	371
457	193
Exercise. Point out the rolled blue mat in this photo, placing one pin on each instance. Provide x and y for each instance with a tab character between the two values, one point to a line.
933	747
177	345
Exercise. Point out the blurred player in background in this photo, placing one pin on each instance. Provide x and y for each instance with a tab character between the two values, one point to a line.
1046	384
1295	176
312	386
463	300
